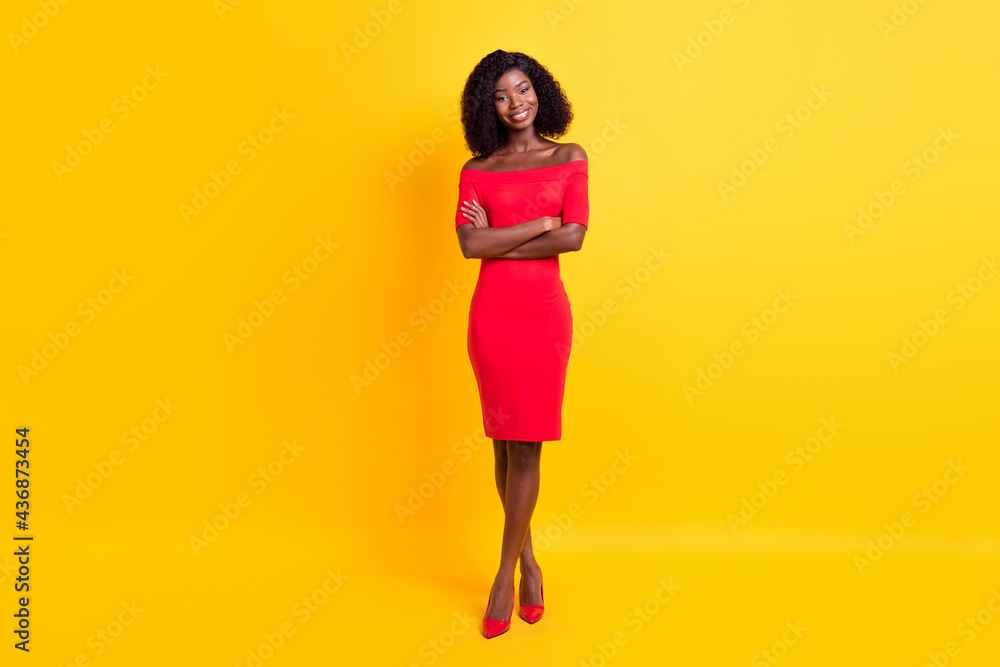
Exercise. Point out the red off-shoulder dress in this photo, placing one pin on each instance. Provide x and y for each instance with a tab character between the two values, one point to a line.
520	324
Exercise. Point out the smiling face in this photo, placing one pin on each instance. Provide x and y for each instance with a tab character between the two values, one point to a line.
515	101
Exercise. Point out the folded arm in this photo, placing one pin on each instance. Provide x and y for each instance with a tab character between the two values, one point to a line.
481	241
568	238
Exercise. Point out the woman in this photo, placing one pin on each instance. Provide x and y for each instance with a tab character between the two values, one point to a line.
522	202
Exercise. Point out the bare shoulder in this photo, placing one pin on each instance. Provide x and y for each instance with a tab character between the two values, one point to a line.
571	152
474	163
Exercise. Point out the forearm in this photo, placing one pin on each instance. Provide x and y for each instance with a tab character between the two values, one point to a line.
486	242
550	243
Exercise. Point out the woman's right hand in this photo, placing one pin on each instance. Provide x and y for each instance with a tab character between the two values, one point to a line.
552	222
476	214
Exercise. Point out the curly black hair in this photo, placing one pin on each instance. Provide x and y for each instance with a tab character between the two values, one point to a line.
484	132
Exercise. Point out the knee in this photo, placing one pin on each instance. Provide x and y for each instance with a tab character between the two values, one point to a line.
522	455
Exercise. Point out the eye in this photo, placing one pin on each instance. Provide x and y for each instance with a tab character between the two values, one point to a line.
524	89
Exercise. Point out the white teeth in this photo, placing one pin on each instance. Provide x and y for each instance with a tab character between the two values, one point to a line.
521	115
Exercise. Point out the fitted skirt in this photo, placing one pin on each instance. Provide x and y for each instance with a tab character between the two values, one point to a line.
519	346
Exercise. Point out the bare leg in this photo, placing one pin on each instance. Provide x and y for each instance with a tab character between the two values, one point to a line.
530	591
520	495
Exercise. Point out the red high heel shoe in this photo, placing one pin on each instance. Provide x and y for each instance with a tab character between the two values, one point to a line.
493	627
532	612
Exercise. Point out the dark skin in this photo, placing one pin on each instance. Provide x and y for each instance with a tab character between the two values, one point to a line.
523	149
517	463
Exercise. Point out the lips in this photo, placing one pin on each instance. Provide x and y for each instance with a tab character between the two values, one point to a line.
521	115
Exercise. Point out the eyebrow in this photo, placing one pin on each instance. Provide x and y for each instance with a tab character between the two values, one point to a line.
504	89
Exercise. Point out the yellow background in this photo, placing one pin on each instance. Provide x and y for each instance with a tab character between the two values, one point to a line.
361	115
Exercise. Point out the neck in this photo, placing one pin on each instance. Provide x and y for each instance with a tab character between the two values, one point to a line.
522	141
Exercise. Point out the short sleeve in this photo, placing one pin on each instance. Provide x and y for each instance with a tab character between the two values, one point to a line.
466	193
576	205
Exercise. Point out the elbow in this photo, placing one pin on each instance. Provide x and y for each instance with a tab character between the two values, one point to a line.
466	240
